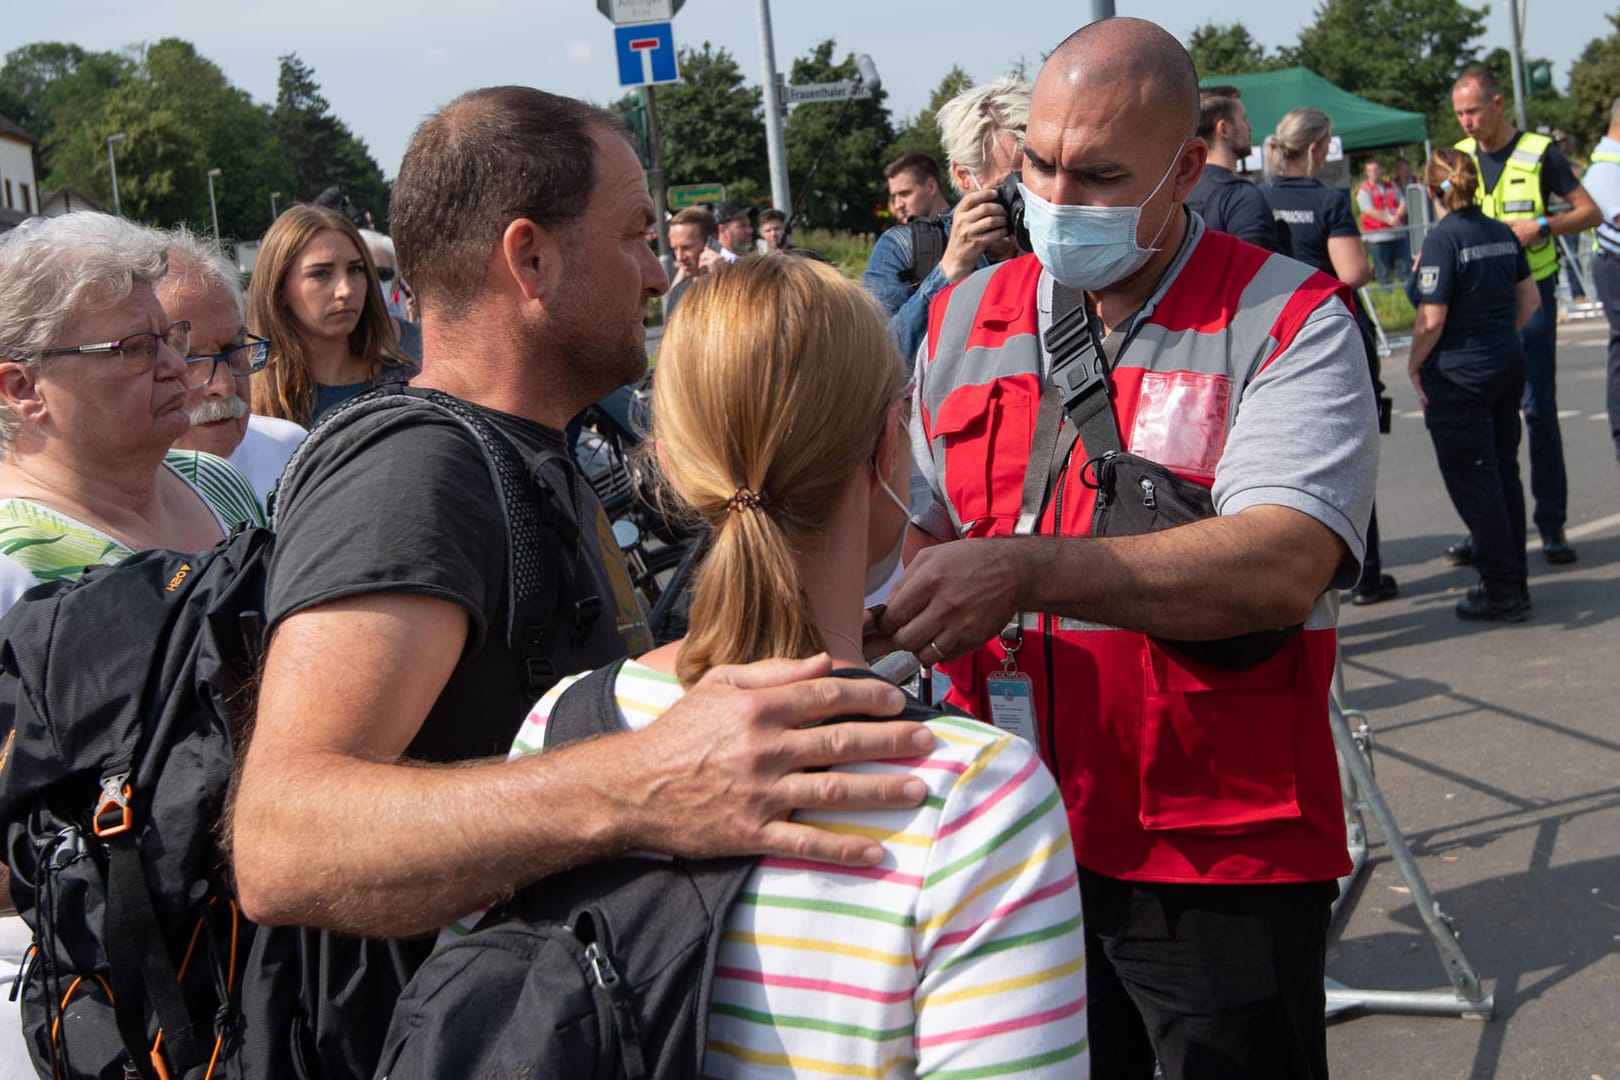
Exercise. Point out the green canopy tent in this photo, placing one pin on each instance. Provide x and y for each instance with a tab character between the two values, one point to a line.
1360	124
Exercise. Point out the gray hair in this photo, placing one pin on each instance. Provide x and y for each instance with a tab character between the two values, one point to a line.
377	241
1614	112
200	263
970	122
55	269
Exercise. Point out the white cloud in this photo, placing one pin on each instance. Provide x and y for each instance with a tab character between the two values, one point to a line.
580	51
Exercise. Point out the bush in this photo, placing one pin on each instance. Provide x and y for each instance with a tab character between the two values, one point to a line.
1394	311
847	251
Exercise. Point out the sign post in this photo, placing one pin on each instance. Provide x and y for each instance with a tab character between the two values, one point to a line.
644	43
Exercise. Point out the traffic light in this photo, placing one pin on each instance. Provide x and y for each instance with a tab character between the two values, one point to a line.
1538	80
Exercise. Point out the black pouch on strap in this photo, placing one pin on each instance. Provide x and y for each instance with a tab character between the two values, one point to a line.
1135	496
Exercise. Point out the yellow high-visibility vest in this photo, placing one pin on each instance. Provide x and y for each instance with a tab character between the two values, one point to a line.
1517	195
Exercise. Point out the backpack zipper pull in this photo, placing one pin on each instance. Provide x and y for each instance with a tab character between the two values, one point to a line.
1149	498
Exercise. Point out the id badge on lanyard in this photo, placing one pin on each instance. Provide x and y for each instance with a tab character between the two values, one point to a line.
1011	693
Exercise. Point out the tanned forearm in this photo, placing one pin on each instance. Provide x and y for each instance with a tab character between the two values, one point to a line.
1256	570
1583	214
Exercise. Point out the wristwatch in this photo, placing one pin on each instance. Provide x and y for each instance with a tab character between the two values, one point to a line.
1543	229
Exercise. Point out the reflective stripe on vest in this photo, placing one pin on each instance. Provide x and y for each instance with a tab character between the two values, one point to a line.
1521	173
1608	234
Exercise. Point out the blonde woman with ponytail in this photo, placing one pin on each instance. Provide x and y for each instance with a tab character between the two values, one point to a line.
779	417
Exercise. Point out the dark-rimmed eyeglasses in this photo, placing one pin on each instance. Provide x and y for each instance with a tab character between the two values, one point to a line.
140	350
240	360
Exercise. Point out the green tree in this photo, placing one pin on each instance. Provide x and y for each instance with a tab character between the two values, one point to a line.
921	135
181	118
844	142
51	84
1222	49
1594	83
1549	108
320	148
1402	53
710	126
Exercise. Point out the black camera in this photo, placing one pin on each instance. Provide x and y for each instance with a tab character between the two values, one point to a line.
928	233
1012	201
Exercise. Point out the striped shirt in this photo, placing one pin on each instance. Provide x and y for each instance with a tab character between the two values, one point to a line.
960	955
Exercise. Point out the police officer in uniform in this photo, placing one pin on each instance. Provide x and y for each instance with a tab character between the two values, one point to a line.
1473	291
1518	172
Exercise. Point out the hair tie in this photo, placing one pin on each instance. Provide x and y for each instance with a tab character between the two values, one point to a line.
1445	185
744	499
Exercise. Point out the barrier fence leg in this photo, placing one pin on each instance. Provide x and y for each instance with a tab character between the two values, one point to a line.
1363	798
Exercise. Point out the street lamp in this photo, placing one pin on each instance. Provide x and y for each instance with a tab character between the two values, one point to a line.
213	207
112	167
274	195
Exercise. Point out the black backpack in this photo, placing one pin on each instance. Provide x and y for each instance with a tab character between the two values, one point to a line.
122	699
599	973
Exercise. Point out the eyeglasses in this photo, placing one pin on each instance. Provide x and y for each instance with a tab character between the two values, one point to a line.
140	350
385	274
241	360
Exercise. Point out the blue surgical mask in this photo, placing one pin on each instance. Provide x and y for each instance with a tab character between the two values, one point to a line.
1091	247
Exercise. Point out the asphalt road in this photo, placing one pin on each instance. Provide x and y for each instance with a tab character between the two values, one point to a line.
1498	748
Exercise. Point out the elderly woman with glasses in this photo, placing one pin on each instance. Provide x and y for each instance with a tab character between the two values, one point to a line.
94	391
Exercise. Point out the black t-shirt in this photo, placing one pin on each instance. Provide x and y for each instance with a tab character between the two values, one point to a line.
402	501
1557	178
1473	265
1230	204
1313	213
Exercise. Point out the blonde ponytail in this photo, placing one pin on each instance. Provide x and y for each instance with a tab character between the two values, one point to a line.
772	386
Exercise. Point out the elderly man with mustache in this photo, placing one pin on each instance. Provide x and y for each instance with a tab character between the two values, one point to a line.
203	287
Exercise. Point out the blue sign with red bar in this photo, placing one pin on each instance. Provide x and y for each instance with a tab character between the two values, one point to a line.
646	54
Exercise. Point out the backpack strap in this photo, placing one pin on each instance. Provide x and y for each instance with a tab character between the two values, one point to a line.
585	709
529	506
927	248
140	969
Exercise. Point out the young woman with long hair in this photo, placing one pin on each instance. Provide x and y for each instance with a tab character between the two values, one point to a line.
315	295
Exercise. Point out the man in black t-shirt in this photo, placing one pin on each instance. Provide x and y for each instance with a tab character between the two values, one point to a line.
1518	172
1224	200
359	809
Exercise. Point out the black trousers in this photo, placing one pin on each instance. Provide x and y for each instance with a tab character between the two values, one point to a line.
1475	428
1220	982
1606	279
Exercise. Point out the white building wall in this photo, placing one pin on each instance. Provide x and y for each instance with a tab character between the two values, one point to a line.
17	176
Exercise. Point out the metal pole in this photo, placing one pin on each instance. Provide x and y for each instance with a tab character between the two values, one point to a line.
1102	9
213	207
775	145
274	195
1516	22
112	168
655	179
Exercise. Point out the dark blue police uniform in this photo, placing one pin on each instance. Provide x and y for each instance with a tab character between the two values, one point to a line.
1474	379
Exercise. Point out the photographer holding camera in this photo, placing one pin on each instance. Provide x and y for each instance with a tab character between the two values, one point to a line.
983	133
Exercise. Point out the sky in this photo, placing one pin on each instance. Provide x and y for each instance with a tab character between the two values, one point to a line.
384	66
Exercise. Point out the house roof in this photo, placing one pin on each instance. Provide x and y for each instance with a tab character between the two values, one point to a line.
10	127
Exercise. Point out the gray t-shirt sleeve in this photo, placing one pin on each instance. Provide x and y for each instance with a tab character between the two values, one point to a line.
1306	435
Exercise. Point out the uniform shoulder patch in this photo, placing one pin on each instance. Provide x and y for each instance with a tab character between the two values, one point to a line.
1428	279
